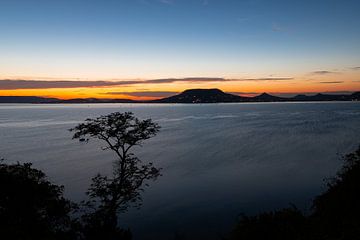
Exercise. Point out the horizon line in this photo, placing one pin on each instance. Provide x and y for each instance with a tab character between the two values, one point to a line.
241	94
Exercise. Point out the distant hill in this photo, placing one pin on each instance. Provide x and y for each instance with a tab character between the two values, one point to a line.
264	97
31	99
202	96
355	96
192	96
218	96
27	99
327	97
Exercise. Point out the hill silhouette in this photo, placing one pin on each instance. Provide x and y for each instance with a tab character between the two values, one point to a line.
202	96
27	99
265	97
212	95
217	96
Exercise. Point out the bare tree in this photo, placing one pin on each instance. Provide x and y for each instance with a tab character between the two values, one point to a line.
111	195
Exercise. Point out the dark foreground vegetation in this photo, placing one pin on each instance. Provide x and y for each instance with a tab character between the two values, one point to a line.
335	214
31	207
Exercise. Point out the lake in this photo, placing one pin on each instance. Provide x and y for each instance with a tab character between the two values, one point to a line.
217	160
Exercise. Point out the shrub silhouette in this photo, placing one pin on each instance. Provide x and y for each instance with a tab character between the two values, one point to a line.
335	213
109	196
31	207
284	224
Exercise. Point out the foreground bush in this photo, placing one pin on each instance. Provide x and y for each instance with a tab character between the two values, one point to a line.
31	207
335	213
284	224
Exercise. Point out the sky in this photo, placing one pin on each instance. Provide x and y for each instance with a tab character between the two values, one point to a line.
144	49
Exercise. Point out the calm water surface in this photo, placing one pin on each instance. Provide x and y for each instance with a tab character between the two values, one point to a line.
218	160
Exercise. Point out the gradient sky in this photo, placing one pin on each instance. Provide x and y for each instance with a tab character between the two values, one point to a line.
243	46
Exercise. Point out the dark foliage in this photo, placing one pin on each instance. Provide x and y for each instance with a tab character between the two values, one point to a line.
335	213
109	196
31	207
285	224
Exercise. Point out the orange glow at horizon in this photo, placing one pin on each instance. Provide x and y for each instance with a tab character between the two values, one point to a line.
302	84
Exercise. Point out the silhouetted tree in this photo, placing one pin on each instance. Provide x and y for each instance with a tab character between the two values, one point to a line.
112	195
31	207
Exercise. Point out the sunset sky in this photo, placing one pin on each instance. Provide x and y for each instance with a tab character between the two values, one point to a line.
143	49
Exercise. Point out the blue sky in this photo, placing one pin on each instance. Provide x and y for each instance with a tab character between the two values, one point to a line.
147	39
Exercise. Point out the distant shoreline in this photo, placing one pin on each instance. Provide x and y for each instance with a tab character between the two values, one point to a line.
191	96
157	103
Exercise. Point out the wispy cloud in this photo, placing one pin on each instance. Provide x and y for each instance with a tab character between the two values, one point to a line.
40	84
331	82
239	93
355	68
144	93
266	79
190	79
7	84
323	72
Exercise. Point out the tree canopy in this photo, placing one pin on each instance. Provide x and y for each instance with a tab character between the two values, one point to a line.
120	131
110	195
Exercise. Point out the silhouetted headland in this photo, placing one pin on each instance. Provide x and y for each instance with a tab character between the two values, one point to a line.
193	96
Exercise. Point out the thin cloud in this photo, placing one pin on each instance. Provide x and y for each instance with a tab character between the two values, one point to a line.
144	93
355	68
7	84
191	79
239	93
331	82
267	79
323	72
40	84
